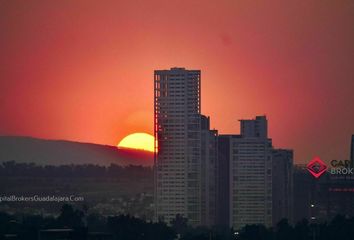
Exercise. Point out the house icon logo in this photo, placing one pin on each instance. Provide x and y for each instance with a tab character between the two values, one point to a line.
316	167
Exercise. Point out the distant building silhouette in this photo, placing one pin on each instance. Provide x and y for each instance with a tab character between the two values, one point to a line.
223	189
304	191
282	182
321	199
209	139
333	195
185	160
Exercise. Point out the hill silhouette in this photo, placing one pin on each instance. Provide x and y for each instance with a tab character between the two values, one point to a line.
59	152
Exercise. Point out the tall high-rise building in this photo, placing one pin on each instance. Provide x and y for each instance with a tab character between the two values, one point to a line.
185	155
250	174
208	172
303	193
282	181
223	189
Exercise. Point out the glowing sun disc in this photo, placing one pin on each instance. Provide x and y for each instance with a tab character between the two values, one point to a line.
140	141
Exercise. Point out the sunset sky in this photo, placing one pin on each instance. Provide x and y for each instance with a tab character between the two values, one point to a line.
83	70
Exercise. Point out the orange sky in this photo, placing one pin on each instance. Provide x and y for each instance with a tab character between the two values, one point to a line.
83	70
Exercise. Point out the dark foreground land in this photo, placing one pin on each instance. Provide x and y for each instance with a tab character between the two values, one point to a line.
117	204
75	224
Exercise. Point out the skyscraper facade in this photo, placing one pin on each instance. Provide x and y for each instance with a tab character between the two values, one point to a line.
250	174
223	189
184	148
282	181
209	172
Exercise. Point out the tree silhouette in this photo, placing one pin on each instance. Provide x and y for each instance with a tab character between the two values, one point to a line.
70	218
130	228
284	231
255	232
179	224
302	230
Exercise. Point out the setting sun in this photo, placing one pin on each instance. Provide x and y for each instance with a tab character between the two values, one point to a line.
141	141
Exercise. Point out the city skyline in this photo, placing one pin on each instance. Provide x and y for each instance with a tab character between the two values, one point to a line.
177	120
210	178
73	76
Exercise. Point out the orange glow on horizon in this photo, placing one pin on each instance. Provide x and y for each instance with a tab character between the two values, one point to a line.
139	141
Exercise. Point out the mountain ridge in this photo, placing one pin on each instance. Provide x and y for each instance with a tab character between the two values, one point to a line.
59	152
